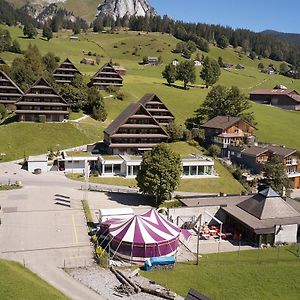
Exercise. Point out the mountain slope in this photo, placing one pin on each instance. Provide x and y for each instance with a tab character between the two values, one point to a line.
289	37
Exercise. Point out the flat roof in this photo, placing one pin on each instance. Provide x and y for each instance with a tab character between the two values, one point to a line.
38	158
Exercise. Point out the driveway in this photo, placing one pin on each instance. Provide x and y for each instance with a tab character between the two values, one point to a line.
42	235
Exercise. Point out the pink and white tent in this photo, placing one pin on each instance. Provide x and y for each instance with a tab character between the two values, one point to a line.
143	236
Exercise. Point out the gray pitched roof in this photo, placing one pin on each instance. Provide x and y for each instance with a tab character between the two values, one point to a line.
281	151
254	151
221	122
268	205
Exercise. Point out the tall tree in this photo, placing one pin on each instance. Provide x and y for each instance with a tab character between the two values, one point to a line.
160	173
274	175
50	62
223	42
283	68
210	72
47	32
30	31
186	72
169	73
223	101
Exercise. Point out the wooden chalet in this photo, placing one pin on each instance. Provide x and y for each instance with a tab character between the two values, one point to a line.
2	62
9	91
157	109
134	131
66	72
41	100
226	130
283	98
105	77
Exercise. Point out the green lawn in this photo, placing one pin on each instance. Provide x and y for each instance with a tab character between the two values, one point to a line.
6	187
225	183
18	283
255	275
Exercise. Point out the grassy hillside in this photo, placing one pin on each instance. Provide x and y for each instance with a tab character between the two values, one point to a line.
23	139
18	283
274	125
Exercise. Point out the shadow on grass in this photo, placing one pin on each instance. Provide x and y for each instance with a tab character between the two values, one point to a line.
10	119
131	199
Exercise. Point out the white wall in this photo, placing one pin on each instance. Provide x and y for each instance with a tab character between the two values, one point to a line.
180	215
37	165
77	166
288	234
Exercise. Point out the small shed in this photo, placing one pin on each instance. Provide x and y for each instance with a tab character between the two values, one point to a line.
74	38
152	60
87	61
240	67
120	70
37	162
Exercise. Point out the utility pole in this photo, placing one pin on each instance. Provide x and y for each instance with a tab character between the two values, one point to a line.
198	240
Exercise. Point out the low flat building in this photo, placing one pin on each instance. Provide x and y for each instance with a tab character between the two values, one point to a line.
9	91
66	72
106	76
37	162
283	98
41	103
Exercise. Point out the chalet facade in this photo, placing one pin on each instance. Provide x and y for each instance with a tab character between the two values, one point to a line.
139	127
255	157
66	72
227	131
41	100
157	109
105	77
9	91
283	98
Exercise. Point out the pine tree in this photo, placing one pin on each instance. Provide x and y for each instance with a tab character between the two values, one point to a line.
47	32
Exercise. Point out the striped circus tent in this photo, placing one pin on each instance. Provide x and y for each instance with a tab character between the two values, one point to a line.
142	236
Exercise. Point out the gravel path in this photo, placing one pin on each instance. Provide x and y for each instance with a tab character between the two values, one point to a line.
103	282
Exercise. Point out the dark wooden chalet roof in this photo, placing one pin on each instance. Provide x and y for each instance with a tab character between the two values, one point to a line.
222	122
126	114
68	62
41	84
5	76
101	70
153	97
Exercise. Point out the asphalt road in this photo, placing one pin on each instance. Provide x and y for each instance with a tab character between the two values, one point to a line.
42	235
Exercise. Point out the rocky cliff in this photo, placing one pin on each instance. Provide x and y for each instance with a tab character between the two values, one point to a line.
120	8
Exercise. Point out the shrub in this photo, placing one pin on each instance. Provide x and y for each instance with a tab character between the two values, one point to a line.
116	46
102	257
120	96
42	118
111	89
214	150
90	53
3	111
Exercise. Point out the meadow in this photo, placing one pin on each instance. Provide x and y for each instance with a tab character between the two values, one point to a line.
16	282
274	125
252	274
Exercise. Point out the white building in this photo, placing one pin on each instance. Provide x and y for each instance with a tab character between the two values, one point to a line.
37	162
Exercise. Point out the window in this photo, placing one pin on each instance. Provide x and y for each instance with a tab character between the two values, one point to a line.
186	170
117	169
108	169
193	170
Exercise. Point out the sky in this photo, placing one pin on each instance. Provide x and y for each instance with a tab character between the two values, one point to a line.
256	15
